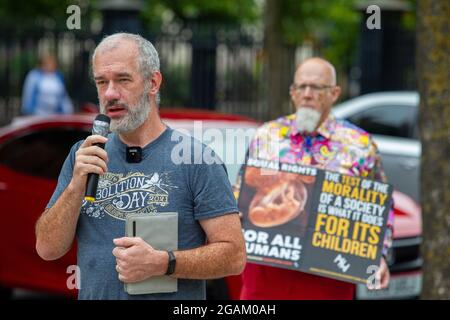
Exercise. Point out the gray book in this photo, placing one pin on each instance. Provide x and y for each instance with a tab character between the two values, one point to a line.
160	230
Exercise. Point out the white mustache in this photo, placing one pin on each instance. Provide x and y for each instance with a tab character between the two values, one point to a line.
307	119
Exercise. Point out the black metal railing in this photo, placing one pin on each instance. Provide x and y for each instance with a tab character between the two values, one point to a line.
218	68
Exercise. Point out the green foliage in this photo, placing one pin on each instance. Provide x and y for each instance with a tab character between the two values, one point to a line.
342	30
331	26
157	12
231	11
408	21
32	11
48	13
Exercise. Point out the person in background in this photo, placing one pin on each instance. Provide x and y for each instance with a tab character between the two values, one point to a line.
44	91
313	137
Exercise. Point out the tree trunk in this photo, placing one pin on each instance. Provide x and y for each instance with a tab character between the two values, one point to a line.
279	63
433	65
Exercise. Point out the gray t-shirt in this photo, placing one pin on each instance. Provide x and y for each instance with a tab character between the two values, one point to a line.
194	188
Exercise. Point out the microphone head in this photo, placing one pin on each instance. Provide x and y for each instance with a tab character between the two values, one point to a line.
102	117
101	125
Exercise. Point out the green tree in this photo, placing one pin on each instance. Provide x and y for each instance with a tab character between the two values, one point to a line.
158	12
278	59
331	27
204	19
47	13
433	65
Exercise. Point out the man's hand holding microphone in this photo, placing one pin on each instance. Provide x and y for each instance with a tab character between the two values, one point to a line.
91	159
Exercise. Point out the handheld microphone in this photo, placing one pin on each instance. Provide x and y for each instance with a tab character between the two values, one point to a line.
100	127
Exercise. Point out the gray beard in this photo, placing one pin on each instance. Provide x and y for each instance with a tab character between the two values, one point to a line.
136	116
307	119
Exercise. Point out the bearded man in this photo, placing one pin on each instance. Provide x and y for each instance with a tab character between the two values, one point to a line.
210	242
313	137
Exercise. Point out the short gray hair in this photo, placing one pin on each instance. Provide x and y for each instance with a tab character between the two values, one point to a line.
148	56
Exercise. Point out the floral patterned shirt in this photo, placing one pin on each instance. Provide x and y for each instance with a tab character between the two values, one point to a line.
337	146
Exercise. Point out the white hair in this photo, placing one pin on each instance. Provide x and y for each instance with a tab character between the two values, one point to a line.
148	61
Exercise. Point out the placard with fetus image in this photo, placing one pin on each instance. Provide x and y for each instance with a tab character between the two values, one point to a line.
301	218
278	197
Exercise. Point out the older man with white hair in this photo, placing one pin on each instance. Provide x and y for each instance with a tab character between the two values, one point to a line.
313	137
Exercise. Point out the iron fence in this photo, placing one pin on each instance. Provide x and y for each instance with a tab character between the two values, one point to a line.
218	68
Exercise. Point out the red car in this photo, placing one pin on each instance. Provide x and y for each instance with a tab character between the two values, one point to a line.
32	151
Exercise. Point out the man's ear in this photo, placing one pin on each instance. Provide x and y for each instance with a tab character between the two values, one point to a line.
155	82
336	93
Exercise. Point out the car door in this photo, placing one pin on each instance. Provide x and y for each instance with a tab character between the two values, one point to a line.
29	166
394	128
